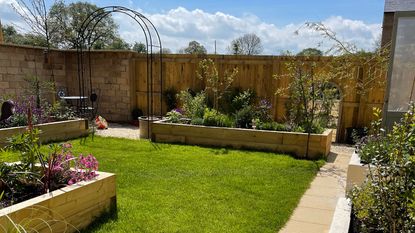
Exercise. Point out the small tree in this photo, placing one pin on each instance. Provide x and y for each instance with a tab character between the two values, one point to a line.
248	44
310	52
139	47
306	95
215	83
194	47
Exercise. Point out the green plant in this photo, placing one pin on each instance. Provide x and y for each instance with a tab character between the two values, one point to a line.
215	83
263	111
193	106
60	111
243	117
211	117
243	99
174	116
170	96
197	121
271	126
385	202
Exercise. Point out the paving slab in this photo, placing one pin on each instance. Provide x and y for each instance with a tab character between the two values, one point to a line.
315	210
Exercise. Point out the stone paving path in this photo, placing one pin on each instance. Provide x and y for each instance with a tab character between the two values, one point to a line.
315	211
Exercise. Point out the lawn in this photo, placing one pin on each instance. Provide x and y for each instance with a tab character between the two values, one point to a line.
177	188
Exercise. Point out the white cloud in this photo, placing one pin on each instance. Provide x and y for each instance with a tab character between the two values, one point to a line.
179	26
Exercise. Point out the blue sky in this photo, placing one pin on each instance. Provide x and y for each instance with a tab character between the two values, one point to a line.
274	22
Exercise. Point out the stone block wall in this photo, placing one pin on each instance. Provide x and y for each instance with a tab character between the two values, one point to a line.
112	76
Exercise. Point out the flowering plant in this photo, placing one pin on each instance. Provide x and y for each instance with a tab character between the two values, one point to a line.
59	168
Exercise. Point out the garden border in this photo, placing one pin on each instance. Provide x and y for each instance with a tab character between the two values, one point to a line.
53	131
276	141
73	207
356	172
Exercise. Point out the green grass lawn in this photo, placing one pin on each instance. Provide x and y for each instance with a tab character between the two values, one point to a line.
177	188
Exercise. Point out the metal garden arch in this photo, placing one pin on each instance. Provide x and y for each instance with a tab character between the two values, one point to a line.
84	45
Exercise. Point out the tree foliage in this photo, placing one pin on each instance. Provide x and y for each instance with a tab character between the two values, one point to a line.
36	16
194	47
69	19
12	36
310	52
248	44
139	47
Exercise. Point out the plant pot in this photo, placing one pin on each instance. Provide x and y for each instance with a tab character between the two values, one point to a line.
145	125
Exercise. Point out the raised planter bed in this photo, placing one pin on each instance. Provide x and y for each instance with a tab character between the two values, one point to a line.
64	210
356	172
276	141
54	131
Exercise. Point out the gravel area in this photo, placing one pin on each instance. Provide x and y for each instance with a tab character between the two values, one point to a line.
119	131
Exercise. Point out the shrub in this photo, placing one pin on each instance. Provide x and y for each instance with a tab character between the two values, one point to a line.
212	117
197	121
193	106
174	116
271	126
385	202
243	117
242	100
60	111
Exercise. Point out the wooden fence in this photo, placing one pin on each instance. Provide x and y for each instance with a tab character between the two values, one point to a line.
257	73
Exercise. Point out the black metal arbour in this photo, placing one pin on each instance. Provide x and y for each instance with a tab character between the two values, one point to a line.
85	43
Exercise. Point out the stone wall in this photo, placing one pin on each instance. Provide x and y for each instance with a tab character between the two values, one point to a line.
111	76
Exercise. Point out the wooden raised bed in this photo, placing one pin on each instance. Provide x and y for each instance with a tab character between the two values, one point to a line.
276	141
64	210
54	131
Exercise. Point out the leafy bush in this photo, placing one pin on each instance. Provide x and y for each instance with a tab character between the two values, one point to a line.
243	99
271	126
243	117
174	116
59	111
193	106
197	121
212	117
385	202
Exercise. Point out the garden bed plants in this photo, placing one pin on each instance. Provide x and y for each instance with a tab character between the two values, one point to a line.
223	116
384	201
56	121
52	191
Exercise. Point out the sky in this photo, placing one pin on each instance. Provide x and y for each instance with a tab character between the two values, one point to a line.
274	21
